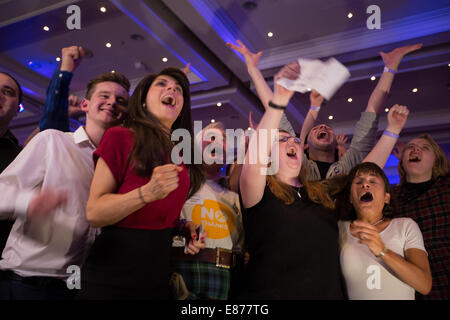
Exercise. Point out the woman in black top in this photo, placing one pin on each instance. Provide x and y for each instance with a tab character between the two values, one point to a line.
292	235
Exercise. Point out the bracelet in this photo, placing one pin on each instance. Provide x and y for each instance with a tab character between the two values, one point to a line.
314	108
275	106
390	134
386	69
383	252
141	196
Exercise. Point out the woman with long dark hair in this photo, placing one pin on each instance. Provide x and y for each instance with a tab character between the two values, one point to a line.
382	258
137	193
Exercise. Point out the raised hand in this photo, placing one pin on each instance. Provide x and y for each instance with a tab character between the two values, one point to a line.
75	107
315	98
251	59
71	58
341	144
187	69
397	117
44	203
163	181
392	59
281	94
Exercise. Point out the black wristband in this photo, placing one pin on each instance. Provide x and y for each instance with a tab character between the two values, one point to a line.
275	106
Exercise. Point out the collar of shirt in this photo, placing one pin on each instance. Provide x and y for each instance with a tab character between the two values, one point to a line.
80	136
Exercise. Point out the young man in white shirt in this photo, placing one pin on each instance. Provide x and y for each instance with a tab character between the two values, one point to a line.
46	189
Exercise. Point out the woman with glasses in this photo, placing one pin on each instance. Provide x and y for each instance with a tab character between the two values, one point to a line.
291	233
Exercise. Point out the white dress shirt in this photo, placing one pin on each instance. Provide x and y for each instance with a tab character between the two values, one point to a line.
61	161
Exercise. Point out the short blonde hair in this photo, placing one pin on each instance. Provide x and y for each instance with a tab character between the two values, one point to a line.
440	166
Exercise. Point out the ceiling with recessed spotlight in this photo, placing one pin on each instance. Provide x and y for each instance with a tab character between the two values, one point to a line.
148	35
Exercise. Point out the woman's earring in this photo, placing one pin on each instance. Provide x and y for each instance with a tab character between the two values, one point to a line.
144	106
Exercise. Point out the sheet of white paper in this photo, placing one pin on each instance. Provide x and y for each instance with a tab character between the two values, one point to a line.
324	77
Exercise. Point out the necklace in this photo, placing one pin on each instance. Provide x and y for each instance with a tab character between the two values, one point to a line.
382	219
374	224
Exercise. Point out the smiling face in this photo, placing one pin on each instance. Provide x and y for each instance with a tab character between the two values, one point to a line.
322	137
368	194
418	160
290	155
165	99
9	99
107	104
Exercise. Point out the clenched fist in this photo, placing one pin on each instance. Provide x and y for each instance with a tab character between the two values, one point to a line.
71	58
163	181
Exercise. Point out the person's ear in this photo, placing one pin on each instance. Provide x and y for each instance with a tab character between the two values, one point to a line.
85	105
387	198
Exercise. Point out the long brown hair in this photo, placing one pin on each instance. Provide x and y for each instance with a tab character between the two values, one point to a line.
153	144
318	191
440	166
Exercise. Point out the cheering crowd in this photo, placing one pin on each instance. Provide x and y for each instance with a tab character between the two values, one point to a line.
110	199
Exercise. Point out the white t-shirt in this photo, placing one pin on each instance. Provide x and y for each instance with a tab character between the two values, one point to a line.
219	211
368	277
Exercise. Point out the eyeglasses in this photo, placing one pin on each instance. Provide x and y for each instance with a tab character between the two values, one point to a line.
286	139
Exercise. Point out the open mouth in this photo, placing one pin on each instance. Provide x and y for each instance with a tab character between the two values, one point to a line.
292	153
414	159
168	101
321	135
366	197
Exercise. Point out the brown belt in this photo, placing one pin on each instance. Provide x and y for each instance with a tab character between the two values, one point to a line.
222	258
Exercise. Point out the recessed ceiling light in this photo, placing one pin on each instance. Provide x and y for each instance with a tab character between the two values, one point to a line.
213	120
165	59
103	9
30	63
219	104
46	28
108	45
330	117
349	99
449	64
270	34
349	15
58	59
387	109
113	71
415	90
373	78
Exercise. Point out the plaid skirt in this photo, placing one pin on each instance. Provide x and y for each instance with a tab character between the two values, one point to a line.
204	280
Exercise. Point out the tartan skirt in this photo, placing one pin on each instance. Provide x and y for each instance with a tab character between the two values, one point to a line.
204	280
